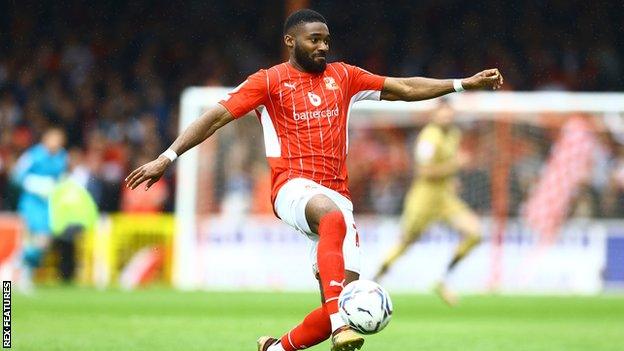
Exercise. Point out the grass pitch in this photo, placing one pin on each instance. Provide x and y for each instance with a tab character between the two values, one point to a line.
160	319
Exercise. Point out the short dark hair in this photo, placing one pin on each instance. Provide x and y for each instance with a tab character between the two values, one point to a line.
302	16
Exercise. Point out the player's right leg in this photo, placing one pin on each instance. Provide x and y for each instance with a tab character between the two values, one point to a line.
325	217
344	338
314	329
329	222
326	257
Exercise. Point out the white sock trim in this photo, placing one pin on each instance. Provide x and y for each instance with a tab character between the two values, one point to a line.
290	341
336	321
276	347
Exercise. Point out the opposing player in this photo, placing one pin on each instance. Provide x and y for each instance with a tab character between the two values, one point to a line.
433	197
36	173
303	105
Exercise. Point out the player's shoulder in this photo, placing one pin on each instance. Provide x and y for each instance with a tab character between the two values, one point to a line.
275	74
342	71
264	72
259	74
340	64
36	154
37	150
343	67
262	78
280	68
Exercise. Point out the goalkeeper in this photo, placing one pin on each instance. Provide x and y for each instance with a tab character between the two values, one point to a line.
37	172
433	195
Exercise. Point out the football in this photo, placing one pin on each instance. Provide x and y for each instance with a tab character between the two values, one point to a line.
365	306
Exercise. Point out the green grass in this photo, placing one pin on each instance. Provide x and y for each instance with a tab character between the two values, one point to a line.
160	319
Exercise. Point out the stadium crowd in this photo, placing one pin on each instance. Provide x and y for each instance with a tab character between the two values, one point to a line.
111	74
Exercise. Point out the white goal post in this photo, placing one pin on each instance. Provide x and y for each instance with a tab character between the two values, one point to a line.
187	265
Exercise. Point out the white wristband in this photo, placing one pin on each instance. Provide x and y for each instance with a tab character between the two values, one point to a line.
457	85
170	154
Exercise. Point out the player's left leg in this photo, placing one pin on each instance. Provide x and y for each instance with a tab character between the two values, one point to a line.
461	218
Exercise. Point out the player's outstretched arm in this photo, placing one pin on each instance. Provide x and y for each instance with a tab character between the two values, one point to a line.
198	131
420	88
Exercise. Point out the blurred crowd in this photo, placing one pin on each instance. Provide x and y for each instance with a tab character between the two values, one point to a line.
111	73
382	173
539	45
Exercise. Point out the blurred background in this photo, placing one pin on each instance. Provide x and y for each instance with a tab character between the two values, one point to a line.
91	90
111	75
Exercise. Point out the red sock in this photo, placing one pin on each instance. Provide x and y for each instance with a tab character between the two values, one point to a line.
332	231
314	329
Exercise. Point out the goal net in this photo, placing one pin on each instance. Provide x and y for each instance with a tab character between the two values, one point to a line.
545	171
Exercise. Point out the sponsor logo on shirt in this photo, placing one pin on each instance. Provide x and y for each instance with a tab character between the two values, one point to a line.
314	99
290	85
329	113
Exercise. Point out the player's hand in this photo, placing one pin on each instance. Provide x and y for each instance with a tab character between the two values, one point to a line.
150	172
488	79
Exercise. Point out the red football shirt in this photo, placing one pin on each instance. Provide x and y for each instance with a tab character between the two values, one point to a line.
304	119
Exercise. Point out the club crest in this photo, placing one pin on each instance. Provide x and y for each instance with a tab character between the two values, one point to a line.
330	83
